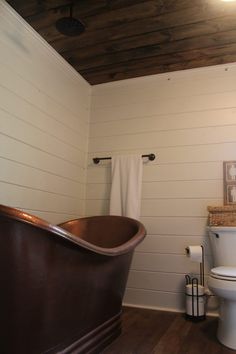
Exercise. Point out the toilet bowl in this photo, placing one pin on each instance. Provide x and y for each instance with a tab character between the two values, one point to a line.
222	281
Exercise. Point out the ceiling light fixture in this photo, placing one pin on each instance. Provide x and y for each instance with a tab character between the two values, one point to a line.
70	26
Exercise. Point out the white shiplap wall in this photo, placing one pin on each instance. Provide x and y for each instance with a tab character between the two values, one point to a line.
44	117
188	119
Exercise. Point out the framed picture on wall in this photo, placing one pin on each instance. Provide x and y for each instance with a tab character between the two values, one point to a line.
229	174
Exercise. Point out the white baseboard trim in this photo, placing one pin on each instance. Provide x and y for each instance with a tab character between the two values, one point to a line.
167	309
157	308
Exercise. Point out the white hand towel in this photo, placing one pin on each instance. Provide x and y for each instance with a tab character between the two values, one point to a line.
125	198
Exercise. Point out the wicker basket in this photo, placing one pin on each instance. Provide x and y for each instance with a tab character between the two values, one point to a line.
222	216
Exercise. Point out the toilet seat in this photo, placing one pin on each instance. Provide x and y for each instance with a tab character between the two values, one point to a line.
224	273
224	287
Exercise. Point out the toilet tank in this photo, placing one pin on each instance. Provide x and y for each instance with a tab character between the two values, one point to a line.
223	245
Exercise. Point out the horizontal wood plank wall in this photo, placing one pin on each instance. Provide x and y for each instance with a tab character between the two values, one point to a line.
188	119
44	117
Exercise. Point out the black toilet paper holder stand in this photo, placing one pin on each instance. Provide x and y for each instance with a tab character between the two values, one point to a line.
196	298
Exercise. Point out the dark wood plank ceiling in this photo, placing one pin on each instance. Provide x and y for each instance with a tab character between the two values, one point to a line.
130	38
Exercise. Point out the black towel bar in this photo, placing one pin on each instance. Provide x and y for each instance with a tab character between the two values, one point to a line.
96	160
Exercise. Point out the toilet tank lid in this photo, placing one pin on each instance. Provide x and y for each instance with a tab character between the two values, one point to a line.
224	271
221	228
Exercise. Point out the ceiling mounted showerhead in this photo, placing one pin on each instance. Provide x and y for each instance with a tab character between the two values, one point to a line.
70	26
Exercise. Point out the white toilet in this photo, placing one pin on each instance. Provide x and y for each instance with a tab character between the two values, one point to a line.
222	280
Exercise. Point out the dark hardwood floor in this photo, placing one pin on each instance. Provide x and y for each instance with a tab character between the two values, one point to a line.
160	332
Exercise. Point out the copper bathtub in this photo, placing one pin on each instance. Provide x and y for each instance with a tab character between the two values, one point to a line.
62	286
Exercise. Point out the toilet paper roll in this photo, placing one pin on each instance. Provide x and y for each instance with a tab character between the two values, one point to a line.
194	289
194	253
195	300
195	307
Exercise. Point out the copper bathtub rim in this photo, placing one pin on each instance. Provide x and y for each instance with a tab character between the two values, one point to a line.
35	221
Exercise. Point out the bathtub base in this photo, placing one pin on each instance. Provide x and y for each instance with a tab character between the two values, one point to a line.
96	340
